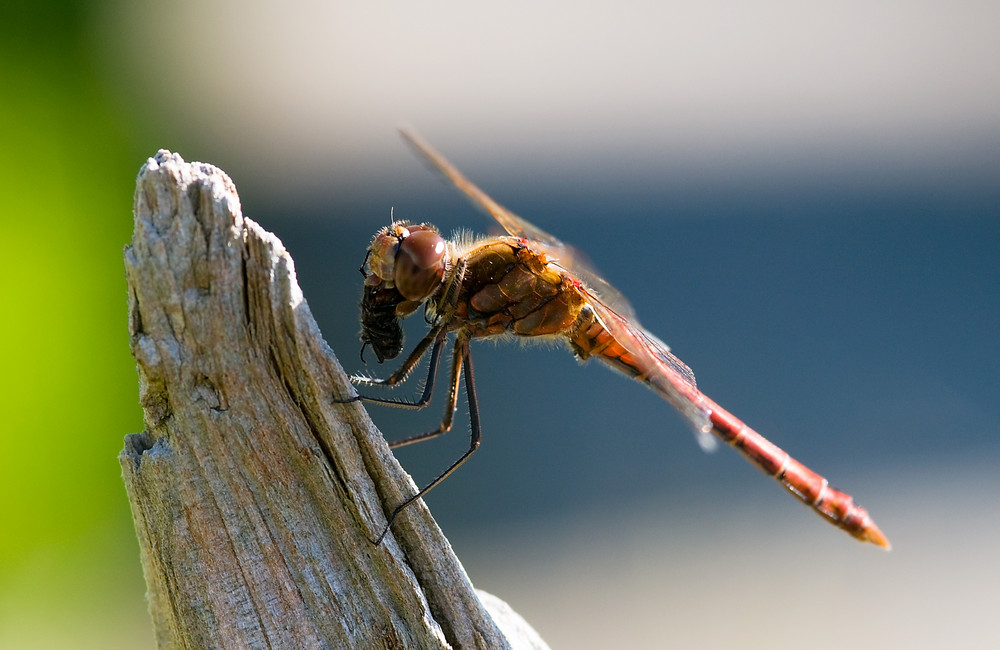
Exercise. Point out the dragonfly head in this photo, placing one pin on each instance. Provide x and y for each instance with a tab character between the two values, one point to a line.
404	266
410	257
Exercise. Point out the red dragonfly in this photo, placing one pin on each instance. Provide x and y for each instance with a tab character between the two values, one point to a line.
530	284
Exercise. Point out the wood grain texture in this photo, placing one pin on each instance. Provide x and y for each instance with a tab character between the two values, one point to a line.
254	495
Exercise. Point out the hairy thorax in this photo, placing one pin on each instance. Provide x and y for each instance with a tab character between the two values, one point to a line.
510	288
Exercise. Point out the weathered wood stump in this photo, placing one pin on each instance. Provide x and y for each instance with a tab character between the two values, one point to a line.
255	495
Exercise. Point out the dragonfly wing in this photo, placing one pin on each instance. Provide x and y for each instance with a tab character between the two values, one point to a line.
650	361
513	224
568	257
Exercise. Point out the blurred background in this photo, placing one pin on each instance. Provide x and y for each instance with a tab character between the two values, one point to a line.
802	199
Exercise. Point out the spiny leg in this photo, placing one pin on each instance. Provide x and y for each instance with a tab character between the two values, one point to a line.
436	337
462	358
403	372
449	409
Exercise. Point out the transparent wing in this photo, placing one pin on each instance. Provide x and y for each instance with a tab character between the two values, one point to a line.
651	362
567	257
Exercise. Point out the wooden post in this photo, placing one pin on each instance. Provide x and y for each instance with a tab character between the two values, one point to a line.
254	495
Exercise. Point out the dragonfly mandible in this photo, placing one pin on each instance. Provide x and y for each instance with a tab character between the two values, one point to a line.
530	284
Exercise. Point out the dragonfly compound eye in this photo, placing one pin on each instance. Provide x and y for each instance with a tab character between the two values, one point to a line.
420	263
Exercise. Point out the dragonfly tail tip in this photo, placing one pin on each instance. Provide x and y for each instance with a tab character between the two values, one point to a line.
876	537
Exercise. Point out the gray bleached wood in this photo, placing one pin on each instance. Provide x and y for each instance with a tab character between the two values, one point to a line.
254	495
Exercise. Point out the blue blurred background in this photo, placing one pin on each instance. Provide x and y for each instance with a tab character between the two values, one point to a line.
802	200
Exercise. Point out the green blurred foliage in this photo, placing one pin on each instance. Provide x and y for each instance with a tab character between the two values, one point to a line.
68	557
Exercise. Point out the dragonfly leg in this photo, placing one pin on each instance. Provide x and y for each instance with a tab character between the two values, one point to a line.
462	358
452	404
435	337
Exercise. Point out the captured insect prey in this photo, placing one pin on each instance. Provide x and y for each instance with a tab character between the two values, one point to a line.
529	284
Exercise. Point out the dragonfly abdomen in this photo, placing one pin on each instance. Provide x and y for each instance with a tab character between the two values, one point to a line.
591	338
806	485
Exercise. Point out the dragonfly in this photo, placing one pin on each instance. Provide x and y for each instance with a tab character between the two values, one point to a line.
530	284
